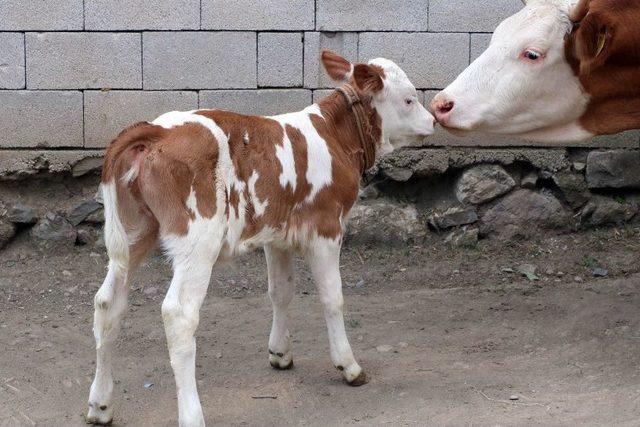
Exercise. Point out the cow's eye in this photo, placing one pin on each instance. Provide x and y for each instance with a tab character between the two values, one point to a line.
531	55
408	101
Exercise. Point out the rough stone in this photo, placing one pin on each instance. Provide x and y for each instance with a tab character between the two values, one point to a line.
368	15
384	221
12	60
521	213
463	238
453	217
427	162
529	180
53	231
249	15
86	165
479	43
41	119
82	211
602	210
96	217
214	52
87	235
574	188
142	15
22	214
7	231
613	169
83	60
280	59
21	164
483	183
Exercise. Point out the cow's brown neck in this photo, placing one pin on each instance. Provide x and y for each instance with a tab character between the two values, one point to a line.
612	77
354	123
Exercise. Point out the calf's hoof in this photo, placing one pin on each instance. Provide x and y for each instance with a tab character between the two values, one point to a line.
280	361
358	381
99	414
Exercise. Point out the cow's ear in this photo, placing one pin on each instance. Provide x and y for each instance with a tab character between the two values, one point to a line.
592	40
368	77
338	68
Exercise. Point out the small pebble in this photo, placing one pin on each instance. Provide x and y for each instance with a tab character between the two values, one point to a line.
600	272
385	348
578	279
66	273
514	397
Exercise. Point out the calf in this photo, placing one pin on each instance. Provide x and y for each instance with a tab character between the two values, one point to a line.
210	184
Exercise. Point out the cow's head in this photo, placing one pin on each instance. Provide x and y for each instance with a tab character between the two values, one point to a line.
391	93
557	70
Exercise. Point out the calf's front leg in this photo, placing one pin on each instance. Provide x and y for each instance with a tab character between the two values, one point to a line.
324	260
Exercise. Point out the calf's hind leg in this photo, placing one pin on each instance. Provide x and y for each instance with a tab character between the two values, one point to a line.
110	305
193	258
281	287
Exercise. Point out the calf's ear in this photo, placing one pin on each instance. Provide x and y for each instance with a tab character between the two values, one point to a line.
591	42
368	77
338	68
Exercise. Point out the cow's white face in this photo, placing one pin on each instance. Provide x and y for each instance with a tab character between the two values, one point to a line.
522	84
403	116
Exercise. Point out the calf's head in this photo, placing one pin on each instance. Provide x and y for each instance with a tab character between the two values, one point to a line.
389	91
558	70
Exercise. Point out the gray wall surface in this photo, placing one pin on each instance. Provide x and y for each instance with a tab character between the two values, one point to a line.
73	73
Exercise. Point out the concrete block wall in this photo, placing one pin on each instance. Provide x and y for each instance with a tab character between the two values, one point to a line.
75	72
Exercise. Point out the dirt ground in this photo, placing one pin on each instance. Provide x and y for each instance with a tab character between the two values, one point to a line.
447	336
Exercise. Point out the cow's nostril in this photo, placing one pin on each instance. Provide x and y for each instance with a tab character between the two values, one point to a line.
445	106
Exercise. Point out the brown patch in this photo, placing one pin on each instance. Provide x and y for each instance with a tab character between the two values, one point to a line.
369	78
604	51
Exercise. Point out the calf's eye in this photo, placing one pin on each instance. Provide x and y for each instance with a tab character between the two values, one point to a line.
408	101
531	55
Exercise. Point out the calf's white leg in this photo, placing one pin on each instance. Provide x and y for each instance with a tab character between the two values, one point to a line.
193	258
110	304
281	288
324	260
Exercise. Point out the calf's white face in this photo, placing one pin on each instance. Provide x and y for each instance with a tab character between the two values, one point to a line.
522	84
403	116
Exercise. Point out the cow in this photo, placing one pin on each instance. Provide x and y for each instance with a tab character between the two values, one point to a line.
555	71
211	184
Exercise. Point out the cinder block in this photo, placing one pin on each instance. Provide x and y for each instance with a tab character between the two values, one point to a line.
280	59
106	113
430	60
479	43
199	60
321	93
263	102
41	15
372	15
345	44
258	16
83	60
142	15
11	61
470	15
40	119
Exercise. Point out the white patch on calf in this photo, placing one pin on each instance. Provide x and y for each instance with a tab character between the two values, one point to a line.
284	153
319	166
258	206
